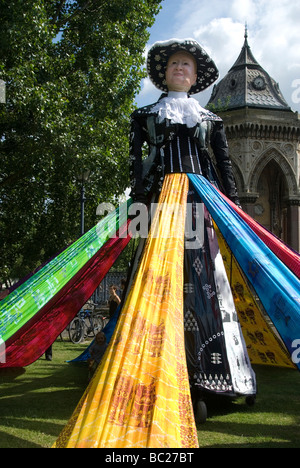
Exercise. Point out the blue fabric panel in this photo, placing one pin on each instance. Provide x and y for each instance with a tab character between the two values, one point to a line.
276	286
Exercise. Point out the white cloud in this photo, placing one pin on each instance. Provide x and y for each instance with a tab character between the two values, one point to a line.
243	11
273	34
222	39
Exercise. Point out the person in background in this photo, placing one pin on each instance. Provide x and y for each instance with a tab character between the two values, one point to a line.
48	354
113	300
97	351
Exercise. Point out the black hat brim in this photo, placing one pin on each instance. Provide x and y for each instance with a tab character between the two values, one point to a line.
160	52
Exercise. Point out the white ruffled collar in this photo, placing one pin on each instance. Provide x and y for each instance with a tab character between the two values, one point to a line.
179	108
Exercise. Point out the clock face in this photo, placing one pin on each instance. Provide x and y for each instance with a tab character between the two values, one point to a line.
259	83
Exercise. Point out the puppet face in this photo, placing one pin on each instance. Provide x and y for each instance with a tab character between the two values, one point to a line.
181	72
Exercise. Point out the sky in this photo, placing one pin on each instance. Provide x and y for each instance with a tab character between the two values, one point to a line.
219	26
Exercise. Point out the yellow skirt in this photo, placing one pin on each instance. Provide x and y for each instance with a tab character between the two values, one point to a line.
139	396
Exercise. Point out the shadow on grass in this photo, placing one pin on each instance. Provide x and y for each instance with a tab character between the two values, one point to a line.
273	422
37	401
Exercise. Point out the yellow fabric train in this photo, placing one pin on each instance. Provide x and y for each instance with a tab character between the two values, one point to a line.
140	395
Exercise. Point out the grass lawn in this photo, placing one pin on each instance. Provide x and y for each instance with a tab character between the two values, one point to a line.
36	402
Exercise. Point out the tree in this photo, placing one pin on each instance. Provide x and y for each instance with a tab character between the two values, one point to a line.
71	71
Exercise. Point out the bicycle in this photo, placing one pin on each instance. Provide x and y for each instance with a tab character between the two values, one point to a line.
86	324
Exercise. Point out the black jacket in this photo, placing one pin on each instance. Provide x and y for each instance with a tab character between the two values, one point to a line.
177	148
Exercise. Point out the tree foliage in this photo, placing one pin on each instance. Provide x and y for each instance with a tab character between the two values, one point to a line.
71	71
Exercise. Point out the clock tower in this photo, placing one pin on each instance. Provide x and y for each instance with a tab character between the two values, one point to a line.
264	142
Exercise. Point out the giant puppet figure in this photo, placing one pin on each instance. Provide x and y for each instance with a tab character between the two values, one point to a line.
177	336
179	133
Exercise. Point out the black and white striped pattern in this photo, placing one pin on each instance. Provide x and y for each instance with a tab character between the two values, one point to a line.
181	155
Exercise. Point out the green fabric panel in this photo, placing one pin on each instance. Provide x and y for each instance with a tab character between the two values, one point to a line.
28	299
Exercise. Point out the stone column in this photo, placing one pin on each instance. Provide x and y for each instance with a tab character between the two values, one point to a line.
248	201
293	223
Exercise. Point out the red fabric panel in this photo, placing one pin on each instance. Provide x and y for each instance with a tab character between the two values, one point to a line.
36	337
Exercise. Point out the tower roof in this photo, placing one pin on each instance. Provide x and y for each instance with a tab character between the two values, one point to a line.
247	84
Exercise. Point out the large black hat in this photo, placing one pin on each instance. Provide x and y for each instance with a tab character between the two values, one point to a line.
160	52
